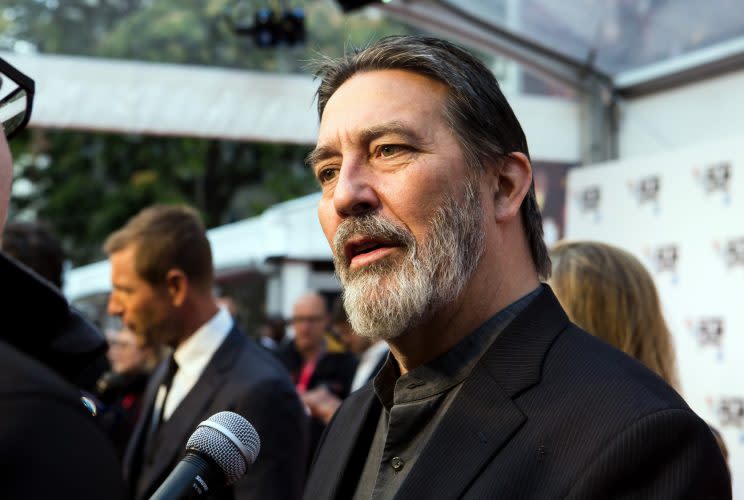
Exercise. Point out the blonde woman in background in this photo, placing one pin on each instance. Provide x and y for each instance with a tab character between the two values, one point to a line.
607	290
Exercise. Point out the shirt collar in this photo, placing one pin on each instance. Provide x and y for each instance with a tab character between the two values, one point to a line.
196	351
449	369
374	352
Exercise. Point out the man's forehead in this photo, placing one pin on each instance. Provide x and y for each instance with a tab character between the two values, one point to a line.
381	95
312	303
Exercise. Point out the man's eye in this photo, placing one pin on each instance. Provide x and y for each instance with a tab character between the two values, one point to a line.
327	174
387	150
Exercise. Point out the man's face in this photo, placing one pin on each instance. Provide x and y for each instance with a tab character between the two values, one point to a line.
400	207
126	352
309	321
144	309
6	177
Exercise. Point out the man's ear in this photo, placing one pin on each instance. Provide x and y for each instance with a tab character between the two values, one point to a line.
510	178
178	286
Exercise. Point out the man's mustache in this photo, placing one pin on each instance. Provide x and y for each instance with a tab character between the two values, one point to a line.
372	226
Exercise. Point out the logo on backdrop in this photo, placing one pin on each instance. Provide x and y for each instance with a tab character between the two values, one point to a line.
589	200
731	251
646	191
715	178
734	252
730	412
708	332
664	259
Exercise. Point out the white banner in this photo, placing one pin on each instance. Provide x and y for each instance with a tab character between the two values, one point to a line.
682	214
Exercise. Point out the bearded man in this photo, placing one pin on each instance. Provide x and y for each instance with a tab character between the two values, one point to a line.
429	206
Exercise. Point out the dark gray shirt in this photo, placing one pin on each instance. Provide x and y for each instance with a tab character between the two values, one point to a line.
413	405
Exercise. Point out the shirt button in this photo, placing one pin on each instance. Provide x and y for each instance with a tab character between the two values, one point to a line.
397	463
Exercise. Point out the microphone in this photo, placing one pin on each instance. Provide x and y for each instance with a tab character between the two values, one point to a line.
218	453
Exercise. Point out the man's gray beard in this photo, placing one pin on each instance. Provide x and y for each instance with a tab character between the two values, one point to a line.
387	298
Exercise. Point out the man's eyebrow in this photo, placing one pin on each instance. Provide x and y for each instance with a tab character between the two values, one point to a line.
319	154
365	137
397	128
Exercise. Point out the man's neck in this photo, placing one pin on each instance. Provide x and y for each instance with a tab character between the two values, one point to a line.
199	313
485	295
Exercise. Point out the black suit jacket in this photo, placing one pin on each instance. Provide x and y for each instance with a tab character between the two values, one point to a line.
335	370
244	378
50	444
548	412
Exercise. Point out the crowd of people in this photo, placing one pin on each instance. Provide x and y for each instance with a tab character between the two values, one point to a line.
464	360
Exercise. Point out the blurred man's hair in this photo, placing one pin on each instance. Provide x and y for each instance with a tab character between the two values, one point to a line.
37	247
166	237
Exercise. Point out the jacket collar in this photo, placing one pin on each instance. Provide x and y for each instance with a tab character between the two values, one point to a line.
480	421
172	437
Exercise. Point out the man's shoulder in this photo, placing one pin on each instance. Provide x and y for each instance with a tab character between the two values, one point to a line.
587	360
584	379
253	363
25	375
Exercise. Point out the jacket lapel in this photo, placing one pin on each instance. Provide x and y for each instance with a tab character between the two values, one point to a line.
483	417
135	447
173	435
342	436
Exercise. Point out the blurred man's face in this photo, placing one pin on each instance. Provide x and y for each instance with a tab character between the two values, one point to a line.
400	207
144	309
126	353
309	321
6	178
353	342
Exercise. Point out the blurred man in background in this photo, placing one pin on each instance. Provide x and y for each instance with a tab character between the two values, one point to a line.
51	446
371	356
309	361
162	288
121	390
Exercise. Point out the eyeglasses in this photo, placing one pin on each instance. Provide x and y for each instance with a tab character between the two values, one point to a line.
16	99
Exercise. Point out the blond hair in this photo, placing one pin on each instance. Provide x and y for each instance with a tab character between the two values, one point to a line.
609	293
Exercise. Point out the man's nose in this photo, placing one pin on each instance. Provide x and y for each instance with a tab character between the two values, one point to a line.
113	308
355	192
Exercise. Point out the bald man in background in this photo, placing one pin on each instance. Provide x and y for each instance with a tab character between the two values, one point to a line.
310	361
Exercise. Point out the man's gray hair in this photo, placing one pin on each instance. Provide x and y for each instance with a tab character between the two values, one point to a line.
475	108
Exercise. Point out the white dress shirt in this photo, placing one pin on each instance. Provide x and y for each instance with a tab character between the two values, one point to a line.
192	357
367	362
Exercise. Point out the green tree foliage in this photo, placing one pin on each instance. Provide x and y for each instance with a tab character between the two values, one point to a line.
87	184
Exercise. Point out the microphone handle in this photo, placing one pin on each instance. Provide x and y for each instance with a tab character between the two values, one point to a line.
193	477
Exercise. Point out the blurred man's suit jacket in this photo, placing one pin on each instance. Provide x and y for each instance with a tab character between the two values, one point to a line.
244	378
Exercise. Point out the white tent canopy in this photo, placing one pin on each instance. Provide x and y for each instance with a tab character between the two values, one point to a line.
169	99
199	101
289	230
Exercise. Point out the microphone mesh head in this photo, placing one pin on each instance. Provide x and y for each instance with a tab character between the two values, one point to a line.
221	449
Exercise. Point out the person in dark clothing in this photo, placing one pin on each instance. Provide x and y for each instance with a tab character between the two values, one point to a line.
51	445
36	247
121	390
